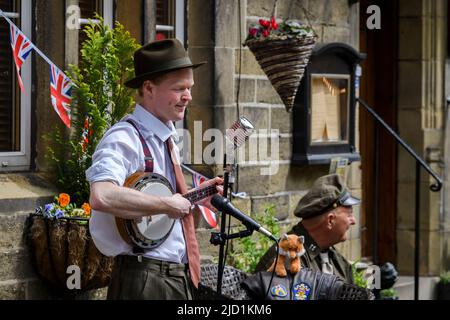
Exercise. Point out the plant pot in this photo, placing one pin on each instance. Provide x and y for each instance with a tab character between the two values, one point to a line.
59	243
284	63
443	291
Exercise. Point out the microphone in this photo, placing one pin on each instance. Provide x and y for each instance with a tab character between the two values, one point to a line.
224	205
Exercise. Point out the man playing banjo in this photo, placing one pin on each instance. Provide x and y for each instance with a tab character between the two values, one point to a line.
137	216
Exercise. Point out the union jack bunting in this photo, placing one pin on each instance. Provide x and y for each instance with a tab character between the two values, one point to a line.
209	216
21	48
60	92
86	133
198	179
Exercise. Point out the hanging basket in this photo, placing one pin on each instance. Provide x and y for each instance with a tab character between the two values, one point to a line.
284	63
60	243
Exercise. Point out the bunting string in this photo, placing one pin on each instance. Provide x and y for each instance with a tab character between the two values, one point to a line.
60	84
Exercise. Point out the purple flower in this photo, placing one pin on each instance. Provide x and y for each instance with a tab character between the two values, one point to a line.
48	207
59	214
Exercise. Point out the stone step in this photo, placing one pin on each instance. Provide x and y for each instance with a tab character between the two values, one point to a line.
427	288
29	204
12	230
23	192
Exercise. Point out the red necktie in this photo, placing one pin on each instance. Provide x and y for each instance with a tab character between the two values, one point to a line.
187	221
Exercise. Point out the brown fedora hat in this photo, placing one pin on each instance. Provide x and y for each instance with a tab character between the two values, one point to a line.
159	57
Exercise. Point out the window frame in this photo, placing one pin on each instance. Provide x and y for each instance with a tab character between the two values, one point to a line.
20	160
72	48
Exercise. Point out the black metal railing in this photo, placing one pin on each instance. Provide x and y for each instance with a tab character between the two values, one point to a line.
419	163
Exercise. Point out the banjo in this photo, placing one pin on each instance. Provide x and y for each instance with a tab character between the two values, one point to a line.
149	232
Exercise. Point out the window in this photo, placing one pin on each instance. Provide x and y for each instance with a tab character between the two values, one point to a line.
15	107
75	37
87	10
8	116
324	109
329	108
170	19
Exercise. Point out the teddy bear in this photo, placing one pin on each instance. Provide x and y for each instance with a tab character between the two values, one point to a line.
291	247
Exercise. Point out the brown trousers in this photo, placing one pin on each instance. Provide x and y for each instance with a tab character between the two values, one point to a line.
149	280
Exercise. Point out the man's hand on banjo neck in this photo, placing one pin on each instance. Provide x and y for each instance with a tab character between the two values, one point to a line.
178	202
219	188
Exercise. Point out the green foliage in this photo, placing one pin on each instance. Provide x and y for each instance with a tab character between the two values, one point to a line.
358	276
444	278
388	293
99	100
251	249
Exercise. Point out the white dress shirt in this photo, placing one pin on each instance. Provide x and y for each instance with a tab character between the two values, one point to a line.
120	154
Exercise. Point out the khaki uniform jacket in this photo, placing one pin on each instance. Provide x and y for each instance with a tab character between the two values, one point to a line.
311	258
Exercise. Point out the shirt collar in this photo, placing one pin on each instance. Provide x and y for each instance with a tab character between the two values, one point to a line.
155	126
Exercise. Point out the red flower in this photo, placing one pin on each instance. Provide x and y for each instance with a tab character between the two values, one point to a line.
273	24
264	23
253	31
265	33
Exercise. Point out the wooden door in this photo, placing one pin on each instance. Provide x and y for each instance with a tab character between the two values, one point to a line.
379	89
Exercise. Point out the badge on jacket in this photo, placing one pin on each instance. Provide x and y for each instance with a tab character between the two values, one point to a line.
278	291
301	291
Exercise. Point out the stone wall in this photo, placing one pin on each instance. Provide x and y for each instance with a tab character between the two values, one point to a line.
421	65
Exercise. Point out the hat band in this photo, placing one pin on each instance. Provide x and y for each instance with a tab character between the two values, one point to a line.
339	202
173	64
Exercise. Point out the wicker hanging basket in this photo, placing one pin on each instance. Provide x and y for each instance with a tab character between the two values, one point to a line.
283	51
284	63
59	243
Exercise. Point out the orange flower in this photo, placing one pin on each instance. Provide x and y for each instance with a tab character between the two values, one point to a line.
63	199
87	208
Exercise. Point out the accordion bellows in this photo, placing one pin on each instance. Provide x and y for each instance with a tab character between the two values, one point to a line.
284	62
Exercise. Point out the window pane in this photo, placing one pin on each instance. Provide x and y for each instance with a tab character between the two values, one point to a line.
87	10
165	16
9	110
329	108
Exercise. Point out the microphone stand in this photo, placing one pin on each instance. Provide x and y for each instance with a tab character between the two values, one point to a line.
221	238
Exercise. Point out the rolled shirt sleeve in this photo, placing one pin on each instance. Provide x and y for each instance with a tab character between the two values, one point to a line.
117	155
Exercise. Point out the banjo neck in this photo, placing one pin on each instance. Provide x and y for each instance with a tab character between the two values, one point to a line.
199	194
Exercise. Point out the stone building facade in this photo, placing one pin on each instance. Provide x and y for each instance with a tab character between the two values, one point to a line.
214	31
215	99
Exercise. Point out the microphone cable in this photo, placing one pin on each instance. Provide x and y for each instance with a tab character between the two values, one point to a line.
277	242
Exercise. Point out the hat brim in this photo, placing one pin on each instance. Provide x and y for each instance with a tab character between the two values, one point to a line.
137	81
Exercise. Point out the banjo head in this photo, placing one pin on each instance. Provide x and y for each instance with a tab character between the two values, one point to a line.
150	231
